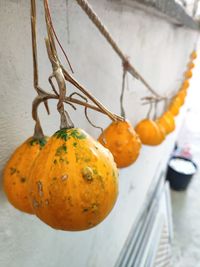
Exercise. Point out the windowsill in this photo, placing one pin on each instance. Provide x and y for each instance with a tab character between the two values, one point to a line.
167	9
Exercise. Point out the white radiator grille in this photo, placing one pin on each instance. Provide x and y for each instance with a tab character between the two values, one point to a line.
148	244
163	255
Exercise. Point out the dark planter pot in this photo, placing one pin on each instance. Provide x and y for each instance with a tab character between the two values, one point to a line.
179	181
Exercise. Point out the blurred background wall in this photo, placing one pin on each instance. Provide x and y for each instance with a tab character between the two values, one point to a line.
159	50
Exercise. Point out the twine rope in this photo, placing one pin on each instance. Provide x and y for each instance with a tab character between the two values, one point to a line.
104	31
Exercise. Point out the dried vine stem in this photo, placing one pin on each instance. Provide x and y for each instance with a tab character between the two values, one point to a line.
151	99
34	50
38	132
51	28
123	114
104	31
66	74
86	112
57	71
155	110
152	102
150	110
104	110
34	45
68	100
60	74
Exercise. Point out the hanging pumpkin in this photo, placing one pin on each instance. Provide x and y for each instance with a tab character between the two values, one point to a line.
167	121
16	173
175	106
123	142
188	74
182	95
193	55
149	132
191	65
177	100
74	181
162	132
185	84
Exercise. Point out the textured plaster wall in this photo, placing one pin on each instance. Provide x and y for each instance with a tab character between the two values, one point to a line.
159	50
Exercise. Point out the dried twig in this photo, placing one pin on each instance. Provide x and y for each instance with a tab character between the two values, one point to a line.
61	76
86	112
46	96
123	114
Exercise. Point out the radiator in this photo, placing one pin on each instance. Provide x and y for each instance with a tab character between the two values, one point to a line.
149	242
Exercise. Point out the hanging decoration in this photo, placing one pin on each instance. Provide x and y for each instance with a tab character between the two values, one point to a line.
77	187
175	106
123	142
167	122
188	74
191	65
80	177
153	132
70	181
149	132
193	55
120	137
73	173
16	173
17	170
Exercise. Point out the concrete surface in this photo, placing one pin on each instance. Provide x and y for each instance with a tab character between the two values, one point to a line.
186	205
186	217
159	51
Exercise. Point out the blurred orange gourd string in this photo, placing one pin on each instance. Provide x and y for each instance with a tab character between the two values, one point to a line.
153	132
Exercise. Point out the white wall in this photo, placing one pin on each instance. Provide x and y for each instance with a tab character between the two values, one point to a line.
160	52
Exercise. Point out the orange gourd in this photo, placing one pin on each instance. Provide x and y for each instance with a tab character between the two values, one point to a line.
16	173
193	55
149	132
123	142
185	85
182	95
162	132
74	181
191	65
175	106
188	74
174	109
167	122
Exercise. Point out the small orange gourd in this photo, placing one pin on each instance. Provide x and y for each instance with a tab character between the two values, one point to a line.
188	74
123	142
185	84
167	121
162	132
149	132
191	65
74	181
193	55
16	173
182	95
174	109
